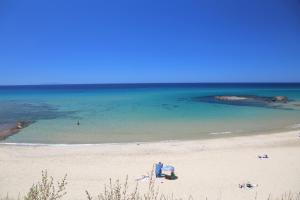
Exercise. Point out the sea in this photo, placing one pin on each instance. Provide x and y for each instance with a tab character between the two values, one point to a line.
122	113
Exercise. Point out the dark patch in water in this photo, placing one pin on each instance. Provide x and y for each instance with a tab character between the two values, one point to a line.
169	106
243	100
13	112
182	99
13	129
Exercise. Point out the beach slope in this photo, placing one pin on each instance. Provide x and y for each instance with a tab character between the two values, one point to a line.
205	168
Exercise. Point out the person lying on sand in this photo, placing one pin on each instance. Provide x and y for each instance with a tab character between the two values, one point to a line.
265	156
247	185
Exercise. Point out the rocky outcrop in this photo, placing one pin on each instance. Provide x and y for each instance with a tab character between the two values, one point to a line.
276	99
246	100
23	124
14	129
280	99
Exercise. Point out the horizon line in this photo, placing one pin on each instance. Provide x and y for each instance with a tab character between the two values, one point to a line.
147	83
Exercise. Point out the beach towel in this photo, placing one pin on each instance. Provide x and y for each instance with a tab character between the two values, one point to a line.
168	168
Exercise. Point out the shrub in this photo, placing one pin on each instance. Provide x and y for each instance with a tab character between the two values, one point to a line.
117	191
46	190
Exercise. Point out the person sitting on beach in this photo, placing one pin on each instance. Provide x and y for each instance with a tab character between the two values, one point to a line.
171	177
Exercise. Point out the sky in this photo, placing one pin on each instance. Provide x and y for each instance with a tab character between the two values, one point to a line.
149	41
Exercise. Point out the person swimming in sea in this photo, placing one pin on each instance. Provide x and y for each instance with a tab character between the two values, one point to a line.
78	123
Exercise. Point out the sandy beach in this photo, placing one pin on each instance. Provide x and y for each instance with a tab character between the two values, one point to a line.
210	169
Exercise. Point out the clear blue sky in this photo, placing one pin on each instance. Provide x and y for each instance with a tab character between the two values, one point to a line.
56	41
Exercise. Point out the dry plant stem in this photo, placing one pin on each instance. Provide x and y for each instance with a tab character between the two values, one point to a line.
46	190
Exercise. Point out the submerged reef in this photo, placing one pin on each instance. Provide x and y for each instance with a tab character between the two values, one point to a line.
13	129
15	115
258	99
245	100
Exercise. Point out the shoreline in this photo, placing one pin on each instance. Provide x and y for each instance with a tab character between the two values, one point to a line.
218	135
211	167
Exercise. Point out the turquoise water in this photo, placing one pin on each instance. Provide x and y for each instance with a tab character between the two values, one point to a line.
131	113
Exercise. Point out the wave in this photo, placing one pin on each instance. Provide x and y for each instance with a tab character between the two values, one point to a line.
68	144
42	144
220	133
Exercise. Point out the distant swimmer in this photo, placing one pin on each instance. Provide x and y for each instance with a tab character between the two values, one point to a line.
78	123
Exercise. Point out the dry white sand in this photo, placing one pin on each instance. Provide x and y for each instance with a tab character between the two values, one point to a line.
205	168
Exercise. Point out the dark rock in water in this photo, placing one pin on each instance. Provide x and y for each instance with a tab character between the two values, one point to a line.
14	129
280	99
276	99
247	100
23	124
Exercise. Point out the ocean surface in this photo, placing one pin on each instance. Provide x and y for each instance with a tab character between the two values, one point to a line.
141	112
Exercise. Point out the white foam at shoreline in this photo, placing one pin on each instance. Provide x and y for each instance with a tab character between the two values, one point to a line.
43	144
220	133
86	144
65	144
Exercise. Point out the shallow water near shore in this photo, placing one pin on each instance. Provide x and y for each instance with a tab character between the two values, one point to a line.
141	112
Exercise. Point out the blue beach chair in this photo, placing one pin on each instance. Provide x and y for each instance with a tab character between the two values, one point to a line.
158	170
